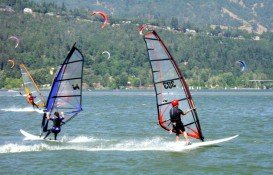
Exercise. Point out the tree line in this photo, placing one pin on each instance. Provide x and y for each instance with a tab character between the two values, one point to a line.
206	60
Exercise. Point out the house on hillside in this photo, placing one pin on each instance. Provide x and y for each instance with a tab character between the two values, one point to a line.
190	32
28	11
6	9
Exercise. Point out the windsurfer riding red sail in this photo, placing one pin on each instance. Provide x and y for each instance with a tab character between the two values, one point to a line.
169	82
170	88
177	124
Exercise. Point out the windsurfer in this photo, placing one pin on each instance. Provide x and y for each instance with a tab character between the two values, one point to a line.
57	121
30	99
175	117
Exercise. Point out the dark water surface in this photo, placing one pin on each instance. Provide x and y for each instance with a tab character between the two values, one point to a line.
117	133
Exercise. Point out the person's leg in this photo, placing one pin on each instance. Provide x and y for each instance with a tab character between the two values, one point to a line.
36	105
33	104
177	138
47	134
183	131
186	136
55	136
177	131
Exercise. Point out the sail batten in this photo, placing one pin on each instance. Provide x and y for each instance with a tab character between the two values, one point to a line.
163	59
166	80
67	79
147	38
169	84
168	103
66	96
72	62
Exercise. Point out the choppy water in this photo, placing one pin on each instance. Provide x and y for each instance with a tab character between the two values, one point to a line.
117	133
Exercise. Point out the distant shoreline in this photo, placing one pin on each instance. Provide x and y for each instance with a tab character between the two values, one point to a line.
147	89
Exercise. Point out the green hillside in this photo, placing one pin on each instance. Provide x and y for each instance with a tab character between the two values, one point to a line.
250	15
45	39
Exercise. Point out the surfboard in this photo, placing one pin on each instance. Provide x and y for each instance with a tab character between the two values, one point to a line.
206	143
40	111
29	136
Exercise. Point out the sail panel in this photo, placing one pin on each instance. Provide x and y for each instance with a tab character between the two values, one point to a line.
169	85
31	87
66	92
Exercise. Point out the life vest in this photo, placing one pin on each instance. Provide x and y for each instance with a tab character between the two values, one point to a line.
175	114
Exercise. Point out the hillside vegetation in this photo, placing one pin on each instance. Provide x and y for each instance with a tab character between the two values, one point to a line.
47	34
250	15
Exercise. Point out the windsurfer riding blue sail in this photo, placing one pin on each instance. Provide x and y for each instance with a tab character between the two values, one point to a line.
57	122
66	92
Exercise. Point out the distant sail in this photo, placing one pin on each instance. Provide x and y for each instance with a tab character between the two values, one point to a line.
31	87
66	91
169	84
242	64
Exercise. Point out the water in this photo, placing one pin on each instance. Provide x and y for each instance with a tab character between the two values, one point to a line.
117	133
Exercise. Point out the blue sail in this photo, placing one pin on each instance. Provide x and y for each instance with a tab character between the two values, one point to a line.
66	91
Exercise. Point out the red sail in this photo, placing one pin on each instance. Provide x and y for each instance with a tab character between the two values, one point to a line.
169	84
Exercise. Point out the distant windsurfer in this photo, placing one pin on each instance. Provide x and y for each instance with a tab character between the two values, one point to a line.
30	99
175	117
57	121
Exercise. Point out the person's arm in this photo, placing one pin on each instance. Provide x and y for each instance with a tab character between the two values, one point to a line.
182	112
189	111
48	116
62	113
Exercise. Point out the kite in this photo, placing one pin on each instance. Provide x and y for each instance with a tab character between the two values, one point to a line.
12	63
104	16
16	39
242	64
141	28
109	55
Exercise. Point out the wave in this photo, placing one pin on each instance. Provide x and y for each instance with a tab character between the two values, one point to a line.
26	109
82	139
16	148
96	145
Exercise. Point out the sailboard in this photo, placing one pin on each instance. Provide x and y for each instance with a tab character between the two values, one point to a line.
66	91
29	136
31	87
169	84
203	144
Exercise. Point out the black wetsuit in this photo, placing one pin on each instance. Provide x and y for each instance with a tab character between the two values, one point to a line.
57	121
175	115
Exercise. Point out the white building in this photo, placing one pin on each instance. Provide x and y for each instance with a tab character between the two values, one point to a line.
27	10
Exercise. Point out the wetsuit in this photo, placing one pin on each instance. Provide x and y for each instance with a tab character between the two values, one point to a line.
175	115
57	121
31	100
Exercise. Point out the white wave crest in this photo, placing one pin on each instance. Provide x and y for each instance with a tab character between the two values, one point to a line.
26	109
96	145
82	139
15	148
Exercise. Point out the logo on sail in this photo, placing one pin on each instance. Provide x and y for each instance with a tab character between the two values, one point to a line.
169	84
75	87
